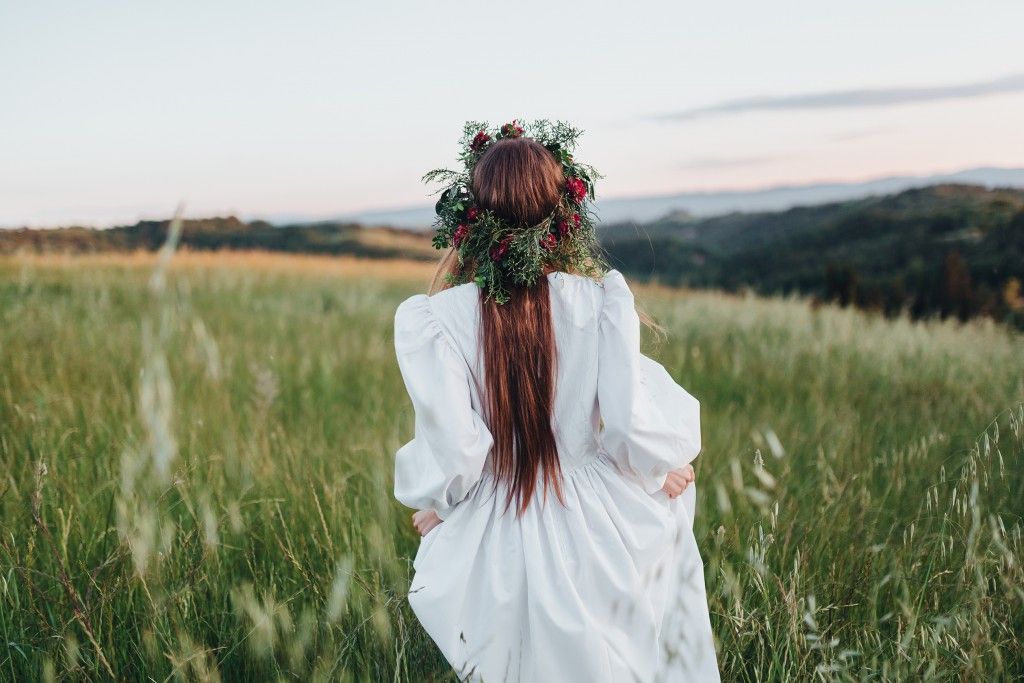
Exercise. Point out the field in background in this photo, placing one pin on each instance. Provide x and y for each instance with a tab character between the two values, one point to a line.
195	477
938	251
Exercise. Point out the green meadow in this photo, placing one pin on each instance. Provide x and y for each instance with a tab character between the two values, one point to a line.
196	463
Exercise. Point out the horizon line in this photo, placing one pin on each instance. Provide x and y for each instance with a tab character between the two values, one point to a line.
284	218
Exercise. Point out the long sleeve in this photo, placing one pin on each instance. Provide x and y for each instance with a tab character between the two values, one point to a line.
651	425
446	456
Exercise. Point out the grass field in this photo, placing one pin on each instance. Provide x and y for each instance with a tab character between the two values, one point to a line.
195	477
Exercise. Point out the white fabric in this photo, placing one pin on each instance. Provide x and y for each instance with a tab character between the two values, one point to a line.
608	587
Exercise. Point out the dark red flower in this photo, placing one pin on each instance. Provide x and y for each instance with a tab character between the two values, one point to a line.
549	241
479	141
460	235
576	189
512	130
472	213
498	251
570	224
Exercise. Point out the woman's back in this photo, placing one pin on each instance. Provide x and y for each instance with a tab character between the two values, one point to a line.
576	304
568	590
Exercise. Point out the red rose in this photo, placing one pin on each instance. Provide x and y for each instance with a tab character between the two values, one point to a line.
498	252
576	189
567	226
479	140
472	214
461	232
512	130
549	241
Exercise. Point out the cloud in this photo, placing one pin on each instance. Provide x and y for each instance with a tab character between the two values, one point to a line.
719	163
847	99
852	135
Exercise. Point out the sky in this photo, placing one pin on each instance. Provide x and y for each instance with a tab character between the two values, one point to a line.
115	111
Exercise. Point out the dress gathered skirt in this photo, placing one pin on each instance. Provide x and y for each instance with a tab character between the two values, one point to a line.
605	585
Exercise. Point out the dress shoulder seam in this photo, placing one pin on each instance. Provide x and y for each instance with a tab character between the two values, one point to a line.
417	323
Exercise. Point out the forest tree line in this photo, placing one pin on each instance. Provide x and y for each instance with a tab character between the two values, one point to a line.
946	250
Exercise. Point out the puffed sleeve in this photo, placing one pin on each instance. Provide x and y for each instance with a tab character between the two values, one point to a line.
651	425
446	456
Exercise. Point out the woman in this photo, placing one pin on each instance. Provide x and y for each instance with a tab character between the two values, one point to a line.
549	453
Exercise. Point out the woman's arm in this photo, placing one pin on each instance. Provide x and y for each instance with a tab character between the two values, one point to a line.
649	424
438	467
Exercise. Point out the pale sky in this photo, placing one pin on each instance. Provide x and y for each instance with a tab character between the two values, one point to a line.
112	111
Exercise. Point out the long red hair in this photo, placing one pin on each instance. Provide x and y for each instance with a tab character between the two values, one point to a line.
521	182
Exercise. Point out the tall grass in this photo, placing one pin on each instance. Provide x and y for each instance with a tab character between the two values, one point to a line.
195	478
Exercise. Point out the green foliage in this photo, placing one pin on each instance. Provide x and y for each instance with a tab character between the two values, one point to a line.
859	509
229	233
496	254
946	250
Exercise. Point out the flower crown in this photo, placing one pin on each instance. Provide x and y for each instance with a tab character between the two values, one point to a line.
500	255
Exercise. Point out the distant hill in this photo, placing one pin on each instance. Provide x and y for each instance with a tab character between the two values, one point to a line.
230	233
950	250
946	249
703	204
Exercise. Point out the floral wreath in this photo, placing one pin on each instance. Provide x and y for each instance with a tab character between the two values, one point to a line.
499	255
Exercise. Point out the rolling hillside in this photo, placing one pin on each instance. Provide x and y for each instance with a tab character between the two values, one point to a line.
714	203
229	233
947	250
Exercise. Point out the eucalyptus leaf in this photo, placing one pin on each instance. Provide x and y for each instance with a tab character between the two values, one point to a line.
524	258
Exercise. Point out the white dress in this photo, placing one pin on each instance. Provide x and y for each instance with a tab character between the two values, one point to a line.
608	587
